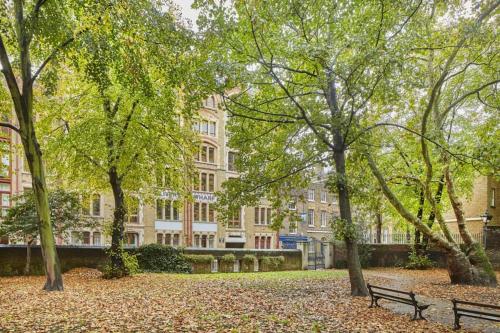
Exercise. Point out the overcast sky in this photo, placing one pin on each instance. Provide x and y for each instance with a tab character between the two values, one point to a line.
187	11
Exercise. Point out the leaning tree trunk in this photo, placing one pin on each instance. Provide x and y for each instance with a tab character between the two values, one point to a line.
28	256
34	157
358	286
379	227
118	268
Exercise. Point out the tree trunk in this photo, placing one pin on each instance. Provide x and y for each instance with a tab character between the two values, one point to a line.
34	157
420	213
118	268
28	256
358	286
379	227
432	215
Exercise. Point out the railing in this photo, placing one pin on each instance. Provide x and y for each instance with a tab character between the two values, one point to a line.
403	238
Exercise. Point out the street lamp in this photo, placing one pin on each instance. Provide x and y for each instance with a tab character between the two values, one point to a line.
486	217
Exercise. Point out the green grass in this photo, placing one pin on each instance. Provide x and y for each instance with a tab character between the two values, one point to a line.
290	275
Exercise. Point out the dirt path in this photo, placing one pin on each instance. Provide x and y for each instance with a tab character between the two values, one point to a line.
441	309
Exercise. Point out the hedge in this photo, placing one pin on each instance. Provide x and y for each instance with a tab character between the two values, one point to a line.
161	258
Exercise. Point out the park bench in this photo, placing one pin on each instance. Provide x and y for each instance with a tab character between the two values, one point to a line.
473	310
399	296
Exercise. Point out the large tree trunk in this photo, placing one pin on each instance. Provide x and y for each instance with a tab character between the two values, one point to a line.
358	286
420	214
48	246
118	268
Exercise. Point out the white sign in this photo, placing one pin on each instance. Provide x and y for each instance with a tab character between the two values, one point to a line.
197	196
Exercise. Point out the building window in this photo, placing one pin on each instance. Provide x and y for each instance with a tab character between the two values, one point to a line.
159	238
209	102
292	205
335	199
293	227
492	199
206	154
323	196
86	238
262	242
310	195
168	239
235	220
206	127
211	241
132	238
203	212
206	182
5	198
196	240
76	238
132	211
5	167
262	215
96	238
176	239
91	205
231	160
167	210
310	217
324	218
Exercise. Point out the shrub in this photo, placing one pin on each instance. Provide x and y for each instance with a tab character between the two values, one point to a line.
199	258
161	258
248	262
228	258
131	267
417	261
269	263
200	263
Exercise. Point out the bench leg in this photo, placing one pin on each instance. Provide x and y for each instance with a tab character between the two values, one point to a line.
415	314
373	302
420	315
376	302
457	322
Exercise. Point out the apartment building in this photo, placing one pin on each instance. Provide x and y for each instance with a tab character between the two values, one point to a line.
170	220
316	209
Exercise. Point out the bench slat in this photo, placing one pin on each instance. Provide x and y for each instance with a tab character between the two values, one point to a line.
395	298
393	290
478	317
465	311
477	304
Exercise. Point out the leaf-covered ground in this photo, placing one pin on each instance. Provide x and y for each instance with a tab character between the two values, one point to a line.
243	302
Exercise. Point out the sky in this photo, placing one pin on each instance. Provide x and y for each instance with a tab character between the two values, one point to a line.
187	11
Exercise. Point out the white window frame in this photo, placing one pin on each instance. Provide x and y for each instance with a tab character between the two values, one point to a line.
324	218
310	195
310	217
324	196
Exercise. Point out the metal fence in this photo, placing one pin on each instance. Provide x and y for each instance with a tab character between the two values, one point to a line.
403	238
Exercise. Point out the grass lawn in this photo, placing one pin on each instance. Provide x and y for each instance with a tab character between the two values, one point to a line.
299	301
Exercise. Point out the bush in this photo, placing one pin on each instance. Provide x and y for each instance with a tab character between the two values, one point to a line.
131	267
161	258
228	258
200	263
248	262
269	263
416	261
199	258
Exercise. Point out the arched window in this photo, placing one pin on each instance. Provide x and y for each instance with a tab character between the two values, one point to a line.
206	154
159	238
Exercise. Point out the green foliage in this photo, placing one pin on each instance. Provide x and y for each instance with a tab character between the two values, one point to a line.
65	212
131	266
161	258
344	230
249	258
271	263
228	258
199	258
418	261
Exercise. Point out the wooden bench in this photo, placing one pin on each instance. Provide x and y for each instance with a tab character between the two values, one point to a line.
399	296
472	311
